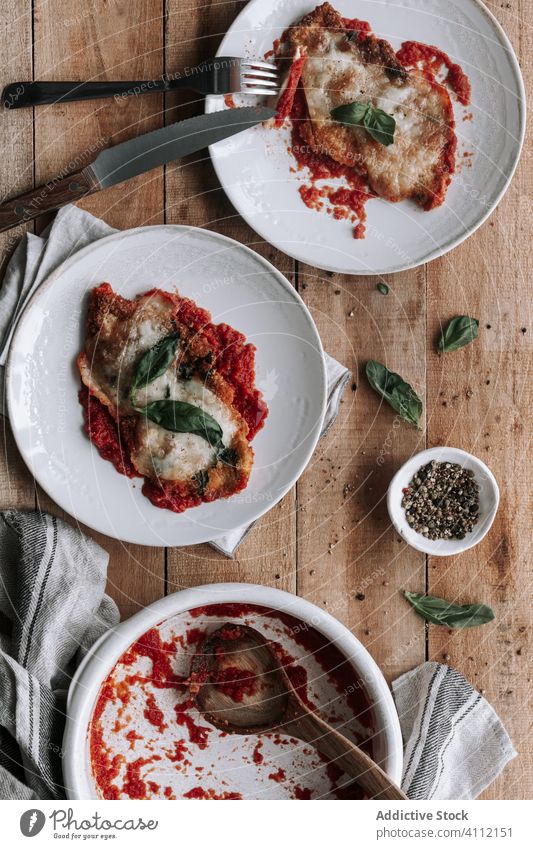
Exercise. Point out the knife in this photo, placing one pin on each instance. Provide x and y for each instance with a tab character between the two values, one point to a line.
130	158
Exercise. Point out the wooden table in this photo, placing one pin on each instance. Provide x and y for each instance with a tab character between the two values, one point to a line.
330	539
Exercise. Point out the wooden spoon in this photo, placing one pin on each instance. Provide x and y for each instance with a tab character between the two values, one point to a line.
241	687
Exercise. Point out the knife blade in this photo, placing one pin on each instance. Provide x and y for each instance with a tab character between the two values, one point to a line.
131	158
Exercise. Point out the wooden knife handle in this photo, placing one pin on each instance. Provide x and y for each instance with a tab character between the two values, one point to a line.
57	192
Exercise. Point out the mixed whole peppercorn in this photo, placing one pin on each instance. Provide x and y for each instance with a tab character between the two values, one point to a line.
442	501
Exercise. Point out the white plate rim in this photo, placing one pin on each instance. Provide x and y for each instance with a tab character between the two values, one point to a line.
432	255
321	379
101	658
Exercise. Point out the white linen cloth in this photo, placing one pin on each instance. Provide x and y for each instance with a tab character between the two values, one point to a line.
52	581
34	260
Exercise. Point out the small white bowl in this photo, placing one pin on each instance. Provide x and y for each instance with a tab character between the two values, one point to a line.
104	654
489	498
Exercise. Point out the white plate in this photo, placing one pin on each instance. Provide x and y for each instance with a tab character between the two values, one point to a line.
238	287
104	654
255	167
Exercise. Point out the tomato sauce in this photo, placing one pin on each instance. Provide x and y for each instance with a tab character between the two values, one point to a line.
432	60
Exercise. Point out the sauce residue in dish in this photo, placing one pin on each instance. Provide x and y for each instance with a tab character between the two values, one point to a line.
147	739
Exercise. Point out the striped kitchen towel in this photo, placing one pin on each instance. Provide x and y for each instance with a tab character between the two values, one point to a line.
455	743
52	581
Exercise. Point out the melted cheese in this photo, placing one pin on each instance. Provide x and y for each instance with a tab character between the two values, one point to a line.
174	456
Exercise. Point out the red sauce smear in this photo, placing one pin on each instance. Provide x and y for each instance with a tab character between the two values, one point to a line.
286	99
432	60
278	776
234	683
198	734
302	792
200	793
362	27
101	428
258	756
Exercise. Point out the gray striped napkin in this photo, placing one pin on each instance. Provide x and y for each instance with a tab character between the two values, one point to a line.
52	582
455	743
34	260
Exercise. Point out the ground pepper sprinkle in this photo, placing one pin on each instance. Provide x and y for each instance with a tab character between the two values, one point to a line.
442	501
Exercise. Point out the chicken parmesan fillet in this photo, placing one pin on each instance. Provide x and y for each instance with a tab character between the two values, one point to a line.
344	66
169	396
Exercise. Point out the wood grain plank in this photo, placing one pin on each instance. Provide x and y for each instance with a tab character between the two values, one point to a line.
122	40
268	555
350	560
16	175
481	399
118	40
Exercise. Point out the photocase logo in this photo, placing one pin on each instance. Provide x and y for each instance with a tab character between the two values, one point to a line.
32	822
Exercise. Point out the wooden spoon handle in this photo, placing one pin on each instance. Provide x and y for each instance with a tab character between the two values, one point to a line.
310	728
56	193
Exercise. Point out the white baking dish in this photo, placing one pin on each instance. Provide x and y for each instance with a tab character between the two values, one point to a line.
102	658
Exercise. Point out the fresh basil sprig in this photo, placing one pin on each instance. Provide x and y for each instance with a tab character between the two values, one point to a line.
383	289
155	362
378	124
441	612
459	332
181	417
393	388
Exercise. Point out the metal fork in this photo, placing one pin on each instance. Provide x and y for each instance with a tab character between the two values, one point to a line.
222	75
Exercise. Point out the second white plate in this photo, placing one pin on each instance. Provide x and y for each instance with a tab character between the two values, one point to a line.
255	167
238	287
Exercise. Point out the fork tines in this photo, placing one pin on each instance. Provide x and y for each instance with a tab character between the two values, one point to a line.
259	77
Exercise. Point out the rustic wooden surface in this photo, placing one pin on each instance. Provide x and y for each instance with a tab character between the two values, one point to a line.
330	539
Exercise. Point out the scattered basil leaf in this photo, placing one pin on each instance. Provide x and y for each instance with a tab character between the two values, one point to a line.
201	480
441	612
181	417
378	124
399	394
155	361
383	288
459	332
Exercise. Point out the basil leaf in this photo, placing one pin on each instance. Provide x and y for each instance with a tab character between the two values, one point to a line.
399	394
378	124
155	361
180	417
383	288
459	332
351	114
441	612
